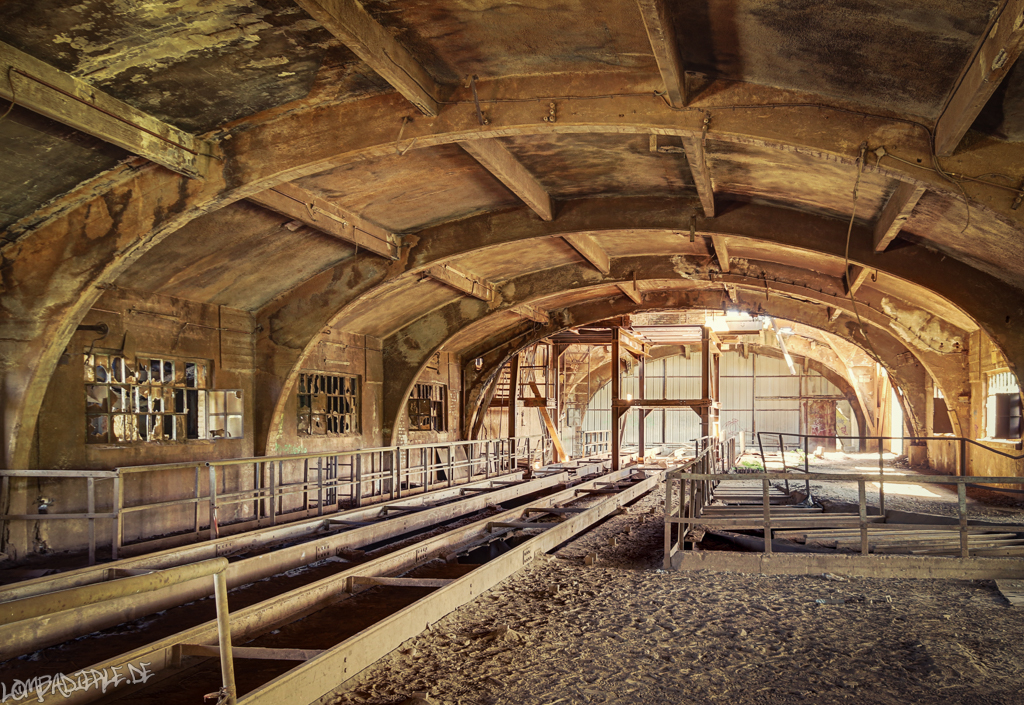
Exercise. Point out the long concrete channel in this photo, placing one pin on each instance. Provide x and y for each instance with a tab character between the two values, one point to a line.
320	670
58	597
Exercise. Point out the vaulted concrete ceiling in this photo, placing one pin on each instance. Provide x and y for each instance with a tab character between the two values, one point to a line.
422	152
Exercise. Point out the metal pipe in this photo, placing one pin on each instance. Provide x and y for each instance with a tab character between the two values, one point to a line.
31	607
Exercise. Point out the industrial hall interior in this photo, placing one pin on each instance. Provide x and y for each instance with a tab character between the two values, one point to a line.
492	352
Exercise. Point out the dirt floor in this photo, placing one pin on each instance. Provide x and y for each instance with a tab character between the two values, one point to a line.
625	631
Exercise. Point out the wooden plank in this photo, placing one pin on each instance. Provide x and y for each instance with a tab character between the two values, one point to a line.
589	249
721	252
560	455
630	290
520	525
349	21
311	210
463	281
43	89
368	581
896	212
533	313
494	157
661	403
992	60
251	652
694	148
662	35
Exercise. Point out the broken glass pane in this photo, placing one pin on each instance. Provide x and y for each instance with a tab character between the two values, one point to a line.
96	398
168	371
179	404
155	371
96	429
90	372
143	370
117	369
190	374
118	399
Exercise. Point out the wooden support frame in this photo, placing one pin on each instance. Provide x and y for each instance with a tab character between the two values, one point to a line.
662	35
535	314
496	158
695	156
39	87
312	210
588	248
630	289
463	281
855	276
896	212
992	60
721	252
349	21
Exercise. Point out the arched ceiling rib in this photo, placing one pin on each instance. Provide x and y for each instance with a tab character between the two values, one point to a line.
774	126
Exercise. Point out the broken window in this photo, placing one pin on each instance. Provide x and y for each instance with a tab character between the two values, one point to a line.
428	409
152	399
1003	406
328	404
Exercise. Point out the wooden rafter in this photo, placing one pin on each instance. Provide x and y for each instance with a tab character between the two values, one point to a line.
39	87
311	210
992	60
896	213
855	276
463	281
662	35
589	249
630	290
349	21
721	252
694	148
533	313
493	156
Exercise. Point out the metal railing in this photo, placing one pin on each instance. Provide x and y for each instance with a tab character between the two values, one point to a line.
804	439
596	443
283	487
688	488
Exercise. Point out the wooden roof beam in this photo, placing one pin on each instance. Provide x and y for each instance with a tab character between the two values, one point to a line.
721	252
992	60
588	248
855	276
896	213
349	21
630	290
661	33
311	210
535	314
463	281
694	148
39	87
494	157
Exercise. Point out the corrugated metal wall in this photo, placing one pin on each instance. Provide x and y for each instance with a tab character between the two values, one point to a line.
759	393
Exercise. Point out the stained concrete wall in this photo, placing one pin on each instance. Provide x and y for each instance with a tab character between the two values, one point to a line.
139	325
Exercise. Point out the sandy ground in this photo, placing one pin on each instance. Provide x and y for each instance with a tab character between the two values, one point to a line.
624	631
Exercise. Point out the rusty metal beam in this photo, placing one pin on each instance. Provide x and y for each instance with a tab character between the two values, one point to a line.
349	21
992	60
662	35
312	210
494	157
39	87
896	213
588	248
463	281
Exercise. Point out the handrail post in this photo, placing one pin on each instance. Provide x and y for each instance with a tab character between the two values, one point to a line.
963	458
273	493
91	499
961	508
863	509
198	496
214	530
227	664
359	480
319	487
766	486
119	518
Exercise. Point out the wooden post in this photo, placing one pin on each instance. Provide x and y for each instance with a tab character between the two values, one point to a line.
227	664
705	384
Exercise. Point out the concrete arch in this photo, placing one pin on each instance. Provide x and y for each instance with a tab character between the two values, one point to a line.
56	267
